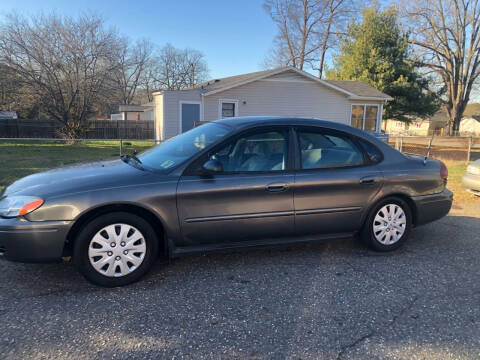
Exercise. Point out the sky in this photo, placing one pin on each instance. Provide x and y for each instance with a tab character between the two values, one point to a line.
234	35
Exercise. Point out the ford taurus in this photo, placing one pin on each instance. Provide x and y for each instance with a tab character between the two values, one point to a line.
227	184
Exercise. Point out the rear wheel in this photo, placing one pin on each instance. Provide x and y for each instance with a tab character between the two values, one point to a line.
388	225
115	249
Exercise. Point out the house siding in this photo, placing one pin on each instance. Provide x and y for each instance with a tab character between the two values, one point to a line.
288	94
285	94
170	108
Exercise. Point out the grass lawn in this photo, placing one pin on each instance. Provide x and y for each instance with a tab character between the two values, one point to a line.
21	158
455	172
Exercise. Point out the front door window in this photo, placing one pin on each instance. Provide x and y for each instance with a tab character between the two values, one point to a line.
266	151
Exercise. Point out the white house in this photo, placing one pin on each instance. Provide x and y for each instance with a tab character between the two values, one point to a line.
470	126
134	112
280	92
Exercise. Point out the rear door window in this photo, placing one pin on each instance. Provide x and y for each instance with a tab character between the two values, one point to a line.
323	150
373	154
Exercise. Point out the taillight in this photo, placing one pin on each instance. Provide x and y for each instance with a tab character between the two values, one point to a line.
443	171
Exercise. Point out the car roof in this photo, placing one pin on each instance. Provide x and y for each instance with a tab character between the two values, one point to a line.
252	121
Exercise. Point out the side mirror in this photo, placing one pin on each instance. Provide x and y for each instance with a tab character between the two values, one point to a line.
213	166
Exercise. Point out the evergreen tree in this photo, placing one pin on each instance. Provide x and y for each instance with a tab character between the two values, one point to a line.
376	51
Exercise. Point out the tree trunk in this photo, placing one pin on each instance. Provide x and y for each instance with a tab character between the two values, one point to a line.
454	118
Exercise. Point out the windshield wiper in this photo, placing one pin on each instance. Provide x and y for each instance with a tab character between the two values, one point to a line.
133	156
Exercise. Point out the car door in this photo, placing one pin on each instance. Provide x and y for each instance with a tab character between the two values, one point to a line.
250	200
335	182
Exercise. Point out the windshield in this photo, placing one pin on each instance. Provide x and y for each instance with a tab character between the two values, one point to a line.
182	147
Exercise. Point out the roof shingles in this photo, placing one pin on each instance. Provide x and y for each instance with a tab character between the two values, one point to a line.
357	88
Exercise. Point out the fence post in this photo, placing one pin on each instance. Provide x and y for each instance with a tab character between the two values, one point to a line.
121	147
401	143
470	140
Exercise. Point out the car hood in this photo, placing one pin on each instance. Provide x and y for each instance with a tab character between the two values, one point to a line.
81	177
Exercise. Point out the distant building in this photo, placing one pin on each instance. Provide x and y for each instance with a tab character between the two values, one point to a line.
470	126
417	126
134	112
8	115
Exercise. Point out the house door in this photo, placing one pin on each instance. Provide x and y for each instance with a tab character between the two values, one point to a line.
190	114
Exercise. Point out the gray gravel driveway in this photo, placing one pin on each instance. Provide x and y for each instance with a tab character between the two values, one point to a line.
333	300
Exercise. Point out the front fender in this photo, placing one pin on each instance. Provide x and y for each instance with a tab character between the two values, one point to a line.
157	198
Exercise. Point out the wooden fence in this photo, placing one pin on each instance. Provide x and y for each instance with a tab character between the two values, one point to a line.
94	129
455	148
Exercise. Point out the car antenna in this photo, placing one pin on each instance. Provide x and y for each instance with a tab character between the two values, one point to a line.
428	150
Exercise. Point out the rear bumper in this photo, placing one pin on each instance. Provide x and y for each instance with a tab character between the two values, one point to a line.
432	207
471	183
26	241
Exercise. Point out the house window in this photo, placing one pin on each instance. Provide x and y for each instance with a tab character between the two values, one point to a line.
371	115
228	109
357	116
364	117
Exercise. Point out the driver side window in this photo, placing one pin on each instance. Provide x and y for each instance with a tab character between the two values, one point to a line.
266	151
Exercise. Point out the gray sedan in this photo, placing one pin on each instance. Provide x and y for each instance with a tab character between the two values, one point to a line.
471	180
227	184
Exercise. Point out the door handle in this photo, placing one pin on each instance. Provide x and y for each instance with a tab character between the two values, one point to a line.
276	187
368	180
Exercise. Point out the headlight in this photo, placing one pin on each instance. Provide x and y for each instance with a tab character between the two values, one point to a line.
12	206
473	170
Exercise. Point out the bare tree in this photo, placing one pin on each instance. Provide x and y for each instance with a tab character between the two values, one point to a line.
64	62
9	89
16	96
194	67
307	30
176	69
133	61
447	38
334	23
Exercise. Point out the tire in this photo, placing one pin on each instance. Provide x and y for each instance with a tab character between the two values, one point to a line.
393	237
115	249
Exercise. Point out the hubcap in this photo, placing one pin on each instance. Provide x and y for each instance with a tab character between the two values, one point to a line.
115	261
389	224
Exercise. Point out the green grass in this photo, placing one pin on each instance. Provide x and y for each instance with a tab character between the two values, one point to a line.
21	158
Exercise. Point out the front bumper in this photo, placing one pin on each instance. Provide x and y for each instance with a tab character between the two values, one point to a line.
471	183
432	207
27	241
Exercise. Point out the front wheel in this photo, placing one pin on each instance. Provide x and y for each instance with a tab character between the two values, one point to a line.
388	225
115	249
